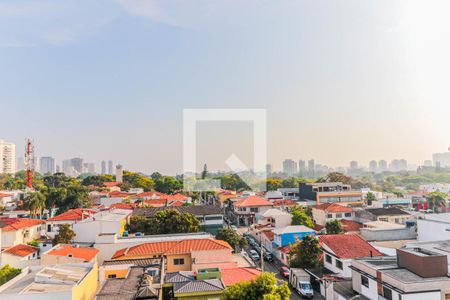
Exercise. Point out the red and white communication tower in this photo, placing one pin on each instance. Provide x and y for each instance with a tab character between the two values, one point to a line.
29	162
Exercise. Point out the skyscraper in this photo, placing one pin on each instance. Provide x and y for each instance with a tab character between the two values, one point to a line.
7	157
301	167
89	168
47	165
311	166
73	166
119	173
110	167
373	166
382	165
353	165
103	167
289	167
268	169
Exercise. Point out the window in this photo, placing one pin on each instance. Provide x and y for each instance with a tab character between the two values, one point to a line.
254	209
338	215
213	218
112	276
330	216
328	258
348	215
49	227
365	281
387	293
339	264
178	261
383	219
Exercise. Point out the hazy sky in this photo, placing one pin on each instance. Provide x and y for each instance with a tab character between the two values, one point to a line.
340	80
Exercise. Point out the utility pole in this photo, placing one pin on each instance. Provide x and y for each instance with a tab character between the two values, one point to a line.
262	251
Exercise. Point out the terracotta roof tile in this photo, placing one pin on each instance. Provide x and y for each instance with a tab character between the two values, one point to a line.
350	225
78	252
333	207
348	245
21	250
11	224
171	247
236	275
111	184
76	214
252	201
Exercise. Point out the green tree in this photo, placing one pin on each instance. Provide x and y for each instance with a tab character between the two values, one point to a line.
166	222
35	202
338	177
138	180
65	235
168	185
138	224
97	180
264	287
437	201
273	184
7	273
305	253
334	227
370	198
232	237
300	217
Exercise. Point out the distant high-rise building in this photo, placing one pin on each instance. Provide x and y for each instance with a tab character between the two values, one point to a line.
89	168
47	165
7	157
403	165
103	167
119	173
289	167
58	169
311	166
301	167
353	165
442	158
373	166
110	167
73	166
268	169
428	163
382	165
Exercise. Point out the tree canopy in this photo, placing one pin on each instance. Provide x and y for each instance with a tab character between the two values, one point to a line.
334	227
232	237
300	217
165	222
305	253
437	201
65	235
264	287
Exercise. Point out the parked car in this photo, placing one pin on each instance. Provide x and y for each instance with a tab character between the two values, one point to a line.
254	255
284	271
234	227
268	256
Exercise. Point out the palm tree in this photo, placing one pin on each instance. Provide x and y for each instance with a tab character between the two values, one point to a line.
437	201
35	202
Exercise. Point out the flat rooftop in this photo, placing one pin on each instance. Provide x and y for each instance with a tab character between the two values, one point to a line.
48	279
406	276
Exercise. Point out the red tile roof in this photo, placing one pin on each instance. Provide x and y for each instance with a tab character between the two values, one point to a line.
178	197
171	247
155	195
118	194
76	214
176	203
87	254
350	225
21	250
123	205
252	201
11	224
236	275
155	202
4	195
111	184
348	246
333	207
284	202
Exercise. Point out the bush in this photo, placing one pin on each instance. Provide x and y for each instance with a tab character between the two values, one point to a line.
7	273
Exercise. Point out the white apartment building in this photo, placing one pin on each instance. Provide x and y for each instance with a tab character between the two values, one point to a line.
7	157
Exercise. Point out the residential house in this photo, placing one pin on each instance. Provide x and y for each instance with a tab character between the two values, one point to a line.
245	209
183	255
137	283
388	214
291	234
120	268
326	212
386	231
210	216
17	231
5	198
110	221
69	254
275	217
330	192
413	274
70	281
19	256
70	217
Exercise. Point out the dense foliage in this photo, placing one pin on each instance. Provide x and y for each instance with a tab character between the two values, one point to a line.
232	237
334	227
305	253
262	288
65	235
165	222
300	217
7	273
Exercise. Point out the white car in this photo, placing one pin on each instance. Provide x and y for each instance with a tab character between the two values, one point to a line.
234	228
254	255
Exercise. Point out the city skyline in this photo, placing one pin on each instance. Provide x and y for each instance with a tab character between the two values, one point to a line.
371	93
